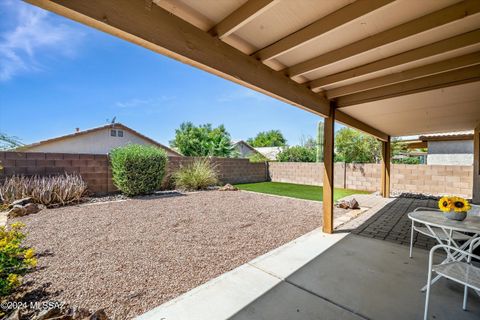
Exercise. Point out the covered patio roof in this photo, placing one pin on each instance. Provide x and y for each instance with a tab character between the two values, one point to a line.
385	67
391	67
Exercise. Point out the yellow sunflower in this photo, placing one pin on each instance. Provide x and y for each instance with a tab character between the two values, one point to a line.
460	205
445	204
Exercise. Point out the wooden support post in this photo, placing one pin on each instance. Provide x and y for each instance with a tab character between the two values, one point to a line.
386	168
329	131
476	166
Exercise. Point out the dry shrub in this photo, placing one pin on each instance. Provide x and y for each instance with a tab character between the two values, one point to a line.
198	175
50	191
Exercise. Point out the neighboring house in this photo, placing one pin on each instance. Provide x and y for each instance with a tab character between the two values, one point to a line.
98	140
455	148
243	149
270	152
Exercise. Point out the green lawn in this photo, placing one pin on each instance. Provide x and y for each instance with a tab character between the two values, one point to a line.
300	191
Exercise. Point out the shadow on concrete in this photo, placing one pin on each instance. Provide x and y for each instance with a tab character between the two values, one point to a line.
361	278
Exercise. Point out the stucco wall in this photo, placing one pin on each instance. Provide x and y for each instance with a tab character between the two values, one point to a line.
450	152
98	142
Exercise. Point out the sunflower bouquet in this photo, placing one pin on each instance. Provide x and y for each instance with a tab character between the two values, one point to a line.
455	207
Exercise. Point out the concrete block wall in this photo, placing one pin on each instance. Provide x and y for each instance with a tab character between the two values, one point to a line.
363	176
310	173
433	179
95	169
429	179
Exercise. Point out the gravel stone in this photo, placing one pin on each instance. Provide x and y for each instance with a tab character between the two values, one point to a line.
128	257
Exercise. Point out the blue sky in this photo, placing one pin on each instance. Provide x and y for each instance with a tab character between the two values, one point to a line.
56	75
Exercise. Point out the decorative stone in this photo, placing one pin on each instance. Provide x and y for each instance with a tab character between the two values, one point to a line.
98	315
48	314
348	204
79	313
21	202
17	211
32	208
15	315
228	187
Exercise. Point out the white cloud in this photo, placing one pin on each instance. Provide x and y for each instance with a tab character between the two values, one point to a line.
28	32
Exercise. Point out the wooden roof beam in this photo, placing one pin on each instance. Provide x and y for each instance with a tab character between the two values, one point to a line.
333	20
162	32
156	29
450	44
357	124
433	20
423	71
441	80
240	17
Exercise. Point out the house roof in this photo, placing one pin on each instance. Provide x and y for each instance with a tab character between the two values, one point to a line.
270	152
245	144
448	136
84	132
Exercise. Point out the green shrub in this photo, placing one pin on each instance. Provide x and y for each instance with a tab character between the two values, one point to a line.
297	154
49	191
257	157
409	160
15	259
196	176
138	169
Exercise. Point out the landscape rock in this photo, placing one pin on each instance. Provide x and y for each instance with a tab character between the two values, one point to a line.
17	211
32	208
98	315
15	315
228	187
79	313
21	202
48	314
348	204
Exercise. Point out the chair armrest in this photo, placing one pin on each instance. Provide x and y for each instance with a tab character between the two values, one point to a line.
447	247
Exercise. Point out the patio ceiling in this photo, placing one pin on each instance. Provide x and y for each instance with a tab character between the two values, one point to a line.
388	67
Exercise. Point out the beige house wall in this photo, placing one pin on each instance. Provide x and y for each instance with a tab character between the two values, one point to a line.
428	179
96	142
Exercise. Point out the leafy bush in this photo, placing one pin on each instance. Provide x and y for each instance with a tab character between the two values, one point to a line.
49	191
196	176
409	160
272	138
353	146
257	157
202	141
297	154
138	169
15	259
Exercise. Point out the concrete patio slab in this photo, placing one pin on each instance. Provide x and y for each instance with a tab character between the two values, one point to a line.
376	279
288	302
218	298
224	296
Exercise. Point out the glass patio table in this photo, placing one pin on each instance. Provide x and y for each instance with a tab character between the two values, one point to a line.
442	230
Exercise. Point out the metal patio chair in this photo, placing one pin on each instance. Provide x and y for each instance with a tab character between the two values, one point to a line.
463	272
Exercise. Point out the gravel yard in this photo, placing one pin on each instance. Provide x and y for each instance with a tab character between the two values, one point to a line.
130	256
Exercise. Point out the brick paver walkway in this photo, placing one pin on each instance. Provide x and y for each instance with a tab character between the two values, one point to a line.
391	223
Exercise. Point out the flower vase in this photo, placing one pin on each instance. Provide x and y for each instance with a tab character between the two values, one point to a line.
458	216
